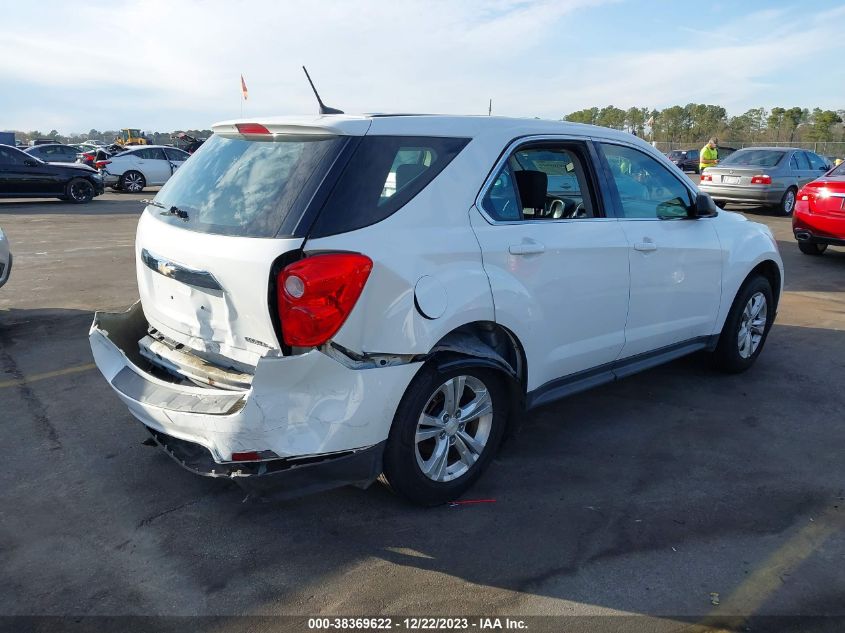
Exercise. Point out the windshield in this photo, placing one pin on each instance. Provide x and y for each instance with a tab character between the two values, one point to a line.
676	153
244	188
754	157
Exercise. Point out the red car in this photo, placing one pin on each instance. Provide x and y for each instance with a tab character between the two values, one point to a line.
819	217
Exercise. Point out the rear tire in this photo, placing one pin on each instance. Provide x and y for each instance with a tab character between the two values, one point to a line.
747	326
811	248
79	191
132	181
787	203
445	433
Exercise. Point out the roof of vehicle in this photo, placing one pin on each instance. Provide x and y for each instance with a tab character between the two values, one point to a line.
420	125
45	145
779	149
129	148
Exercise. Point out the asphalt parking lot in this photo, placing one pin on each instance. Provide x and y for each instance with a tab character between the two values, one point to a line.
647	496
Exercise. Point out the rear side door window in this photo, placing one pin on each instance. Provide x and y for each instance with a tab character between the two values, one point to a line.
646	188
816	162
542	182
176	155
803	163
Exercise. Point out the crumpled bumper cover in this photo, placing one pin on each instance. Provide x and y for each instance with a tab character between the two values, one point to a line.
308	409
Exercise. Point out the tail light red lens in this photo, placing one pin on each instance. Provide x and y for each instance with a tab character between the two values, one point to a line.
706	178
316	295
251	128
761	180
101	163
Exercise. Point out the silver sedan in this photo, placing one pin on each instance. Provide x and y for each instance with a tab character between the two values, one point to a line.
767	176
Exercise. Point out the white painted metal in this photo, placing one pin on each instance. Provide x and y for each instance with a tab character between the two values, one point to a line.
561	287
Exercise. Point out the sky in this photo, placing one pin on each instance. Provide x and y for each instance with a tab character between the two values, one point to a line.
165	65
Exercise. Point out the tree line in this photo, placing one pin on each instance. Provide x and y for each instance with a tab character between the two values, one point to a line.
696	122
108	136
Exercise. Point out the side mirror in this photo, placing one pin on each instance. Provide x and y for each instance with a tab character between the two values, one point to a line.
823	168
704	207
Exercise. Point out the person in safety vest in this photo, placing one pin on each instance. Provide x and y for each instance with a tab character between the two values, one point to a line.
709	155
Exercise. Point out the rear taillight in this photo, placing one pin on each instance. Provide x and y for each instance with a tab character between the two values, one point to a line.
706	178
101	163
761	180
315	296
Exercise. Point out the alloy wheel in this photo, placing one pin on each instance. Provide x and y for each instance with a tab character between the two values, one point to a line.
133	182
453	428
752	325
81	191
789	202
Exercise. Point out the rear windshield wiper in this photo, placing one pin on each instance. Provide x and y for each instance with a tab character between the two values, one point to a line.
174	210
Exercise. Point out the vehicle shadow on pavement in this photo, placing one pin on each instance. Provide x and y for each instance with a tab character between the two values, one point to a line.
824	273
130	206
645	496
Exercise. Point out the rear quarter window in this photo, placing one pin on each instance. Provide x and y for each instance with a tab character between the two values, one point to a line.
383	174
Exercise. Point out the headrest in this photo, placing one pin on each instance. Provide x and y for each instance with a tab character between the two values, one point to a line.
532	187
406	173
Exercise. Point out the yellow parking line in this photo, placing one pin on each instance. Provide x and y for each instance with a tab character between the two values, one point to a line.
750	595
47	374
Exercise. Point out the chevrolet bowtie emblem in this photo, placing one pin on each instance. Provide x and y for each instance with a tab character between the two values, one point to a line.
166	268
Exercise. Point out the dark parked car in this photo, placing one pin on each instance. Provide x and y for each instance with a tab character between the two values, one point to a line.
687	159
54	153
25	176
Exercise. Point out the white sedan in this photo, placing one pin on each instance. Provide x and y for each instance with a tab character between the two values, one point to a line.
5	258
139	167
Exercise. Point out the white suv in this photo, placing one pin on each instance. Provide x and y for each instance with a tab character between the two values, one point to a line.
325	300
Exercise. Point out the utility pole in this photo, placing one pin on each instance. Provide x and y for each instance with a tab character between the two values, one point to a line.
490	108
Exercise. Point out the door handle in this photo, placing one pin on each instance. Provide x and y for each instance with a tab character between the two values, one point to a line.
645	247
526	248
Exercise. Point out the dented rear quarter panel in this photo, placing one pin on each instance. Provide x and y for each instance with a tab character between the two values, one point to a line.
385	318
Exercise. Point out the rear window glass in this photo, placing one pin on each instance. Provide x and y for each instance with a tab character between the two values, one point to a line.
839	171
383	174
244	188
754	157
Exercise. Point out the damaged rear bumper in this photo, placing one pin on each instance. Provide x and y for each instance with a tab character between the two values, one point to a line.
326	423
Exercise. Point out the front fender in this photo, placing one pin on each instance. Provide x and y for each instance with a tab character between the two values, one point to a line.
745	245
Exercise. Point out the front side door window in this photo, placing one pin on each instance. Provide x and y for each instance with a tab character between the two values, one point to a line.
647	189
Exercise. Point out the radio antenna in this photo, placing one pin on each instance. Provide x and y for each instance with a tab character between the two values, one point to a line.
324	109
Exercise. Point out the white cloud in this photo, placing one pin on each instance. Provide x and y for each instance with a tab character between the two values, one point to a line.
166	63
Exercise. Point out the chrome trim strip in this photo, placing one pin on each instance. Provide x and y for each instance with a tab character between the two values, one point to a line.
189	276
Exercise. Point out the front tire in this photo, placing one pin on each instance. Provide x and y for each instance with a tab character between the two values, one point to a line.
747	326
132	181
79	191
787	203
811	248
445	432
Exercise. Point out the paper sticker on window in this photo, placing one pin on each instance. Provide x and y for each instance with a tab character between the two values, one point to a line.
554	167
